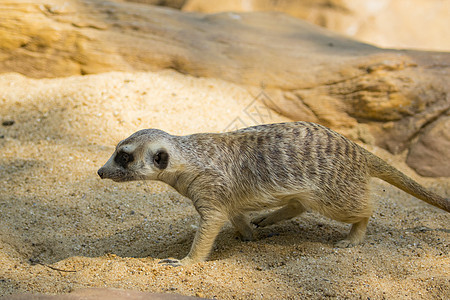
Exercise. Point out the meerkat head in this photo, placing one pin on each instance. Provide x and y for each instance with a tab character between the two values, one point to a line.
142	156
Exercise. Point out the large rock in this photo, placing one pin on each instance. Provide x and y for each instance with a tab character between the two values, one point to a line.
386	23
429	156
375	95
101	294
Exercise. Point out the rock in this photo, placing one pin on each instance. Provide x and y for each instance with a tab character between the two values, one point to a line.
102	293
390	24
429	156
379	96
8	123
168	3
53	38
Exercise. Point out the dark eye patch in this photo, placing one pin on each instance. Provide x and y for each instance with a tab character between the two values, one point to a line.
161	159
123	159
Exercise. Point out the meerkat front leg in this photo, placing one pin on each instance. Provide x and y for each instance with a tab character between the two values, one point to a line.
209	228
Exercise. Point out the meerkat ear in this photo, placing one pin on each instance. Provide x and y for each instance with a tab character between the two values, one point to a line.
161	159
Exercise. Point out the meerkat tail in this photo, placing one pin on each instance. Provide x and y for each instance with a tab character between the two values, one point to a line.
381	169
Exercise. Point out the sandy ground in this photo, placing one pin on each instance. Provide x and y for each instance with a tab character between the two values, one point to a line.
62	228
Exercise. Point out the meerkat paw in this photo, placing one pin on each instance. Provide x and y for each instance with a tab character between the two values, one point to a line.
344	244
170	262
173	262
247	236
347	243
243	227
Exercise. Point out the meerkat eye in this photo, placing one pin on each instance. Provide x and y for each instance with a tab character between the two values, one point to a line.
161	159
123	158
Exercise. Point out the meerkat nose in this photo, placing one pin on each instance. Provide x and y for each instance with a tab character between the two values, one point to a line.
100	173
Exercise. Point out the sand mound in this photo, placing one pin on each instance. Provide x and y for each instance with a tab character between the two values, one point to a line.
62	228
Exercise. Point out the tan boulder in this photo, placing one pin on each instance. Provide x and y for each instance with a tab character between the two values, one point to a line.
385	23
168	3
430	155
102	294
375	95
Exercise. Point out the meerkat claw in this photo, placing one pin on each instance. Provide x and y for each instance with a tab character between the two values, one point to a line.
170	262
344	244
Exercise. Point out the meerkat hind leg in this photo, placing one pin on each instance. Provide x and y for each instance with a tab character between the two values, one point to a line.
289	211
356	235
242	224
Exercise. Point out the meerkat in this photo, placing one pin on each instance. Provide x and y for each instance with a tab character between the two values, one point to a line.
294	167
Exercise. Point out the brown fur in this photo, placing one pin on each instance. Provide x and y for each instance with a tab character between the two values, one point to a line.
294	166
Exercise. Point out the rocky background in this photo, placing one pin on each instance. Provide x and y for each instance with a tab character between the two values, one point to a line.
396	99
77	76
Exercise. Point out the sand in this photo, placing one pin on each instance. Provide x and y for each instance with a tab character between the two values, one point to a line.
62	228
